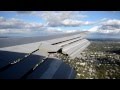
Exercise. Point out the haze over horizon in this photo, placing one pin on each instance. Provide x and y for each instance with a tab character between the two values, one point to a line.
101	24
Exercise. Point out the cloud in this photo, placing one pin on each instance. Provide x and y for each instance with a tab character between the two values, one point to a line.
58	30
12	23
54	30
2	19
111	26
17	26
15	31
70	22
71	31
61	18
54	20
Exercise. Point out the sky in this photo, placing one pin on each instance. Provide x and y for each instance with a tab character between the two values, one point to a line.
100	24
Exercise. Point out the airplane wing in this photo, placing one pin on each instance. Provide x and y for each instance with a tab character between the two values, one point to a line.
29	58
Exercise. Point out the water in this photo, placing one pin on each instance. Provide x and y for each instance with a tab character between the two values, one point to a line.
11	41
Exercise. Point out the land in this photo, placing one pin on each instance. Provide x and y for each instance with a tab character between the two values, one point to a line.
101	60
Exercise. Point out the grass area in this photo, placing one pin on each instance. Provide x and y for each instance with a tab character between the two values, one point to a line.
101	60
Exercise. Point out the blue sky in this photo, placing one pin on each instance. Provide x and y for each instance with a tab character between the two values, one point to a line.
37	23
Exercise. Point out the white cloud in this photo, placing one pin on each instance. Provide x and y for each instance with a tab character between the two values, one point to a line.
71	31
54	20
111	22
61	18
104	19
54	30
111	26
58	30
2	19
17	26
70	22
20	31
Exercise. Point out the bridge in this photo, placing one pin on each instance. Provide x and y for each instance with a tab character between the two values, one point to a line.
34	57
